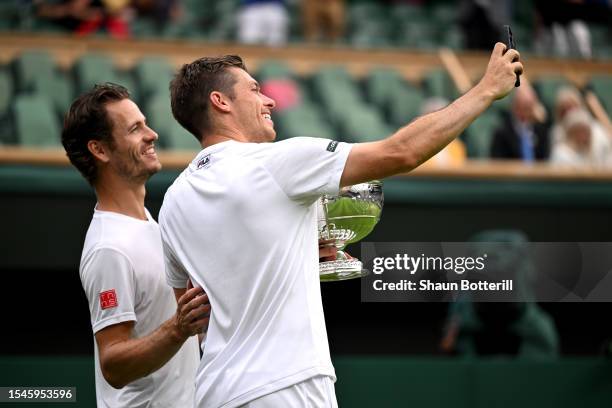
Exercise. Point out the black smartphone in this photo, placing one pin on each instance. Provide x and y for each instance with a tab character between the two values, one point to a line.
511	46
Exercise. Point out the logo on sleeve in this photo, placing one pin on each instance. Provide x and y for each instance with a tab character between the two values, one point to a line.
108	299
331	147
203	162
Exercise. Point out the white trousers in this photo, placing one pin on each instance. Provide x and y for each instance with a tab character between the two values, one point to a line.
316	392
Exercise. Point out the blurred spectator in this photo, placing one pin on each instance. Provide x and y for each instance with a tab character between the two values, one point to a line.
577	145
70	14
86	17
323	18
568	99
515	328
566	25
482	21
161	11
263	22
454	153
521	136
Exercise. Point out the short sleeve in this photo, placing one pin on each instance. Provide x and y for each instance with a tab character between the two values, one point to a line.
307	168
176	276
107	276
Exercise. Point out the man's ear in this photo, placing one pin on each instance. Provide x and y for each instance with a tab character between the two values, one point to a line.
99	150
219	101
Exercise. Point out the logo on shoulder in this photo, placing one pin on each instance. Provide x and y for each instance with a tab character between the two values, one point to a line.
108	299
331	147
203	162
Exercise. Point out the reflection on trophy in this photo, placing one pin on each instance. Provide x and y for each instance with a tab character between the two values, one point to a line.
347	218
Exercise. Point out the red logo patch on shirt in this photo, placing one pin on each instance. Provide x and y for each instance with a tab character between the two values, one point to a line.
108	299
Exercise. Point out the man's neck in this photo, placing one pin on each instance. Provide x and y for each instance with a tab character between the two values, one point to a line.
117	195
223	134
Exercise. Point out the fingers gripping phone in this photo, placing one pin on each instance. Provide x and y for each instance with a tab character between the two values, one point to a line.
511	46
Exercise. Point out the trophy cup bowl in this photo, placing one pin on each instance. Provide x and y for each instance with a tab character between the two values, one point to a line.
347	218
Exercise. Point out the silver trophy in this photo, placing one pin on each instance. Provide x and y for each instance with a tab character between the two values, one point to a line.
347	218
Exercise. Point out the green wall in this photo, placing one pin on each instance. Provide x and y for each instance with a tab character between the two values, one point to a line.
379	382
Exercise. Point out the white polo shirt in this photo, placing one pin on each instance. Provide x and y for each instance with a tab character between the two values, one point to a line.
122	272
240	221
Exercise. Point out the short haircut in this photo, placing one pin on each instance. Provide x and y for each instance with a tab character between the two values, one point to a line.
88	120
191	88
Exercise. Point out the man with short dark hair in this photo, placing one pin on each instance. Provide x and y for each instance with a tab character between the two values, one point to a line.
241	223
145	351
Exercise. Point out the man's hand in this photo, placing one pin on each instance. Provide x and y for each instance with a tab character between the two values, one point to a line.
327	250
500	76
192	313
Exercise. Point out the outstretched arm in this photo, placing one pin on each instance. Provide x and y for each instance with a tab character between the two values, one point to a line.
421	139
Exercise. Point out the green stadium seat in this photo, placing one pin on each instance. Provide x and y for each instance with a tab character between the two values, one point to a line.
153	75
93	69
273	69
403	13
437	82
337	92
416	34
57	89
303	120
143	27
35	122
444	14
180	139
380	84
6	92
602	85
452	37
32	65
405	105
479	135
171	134
364	125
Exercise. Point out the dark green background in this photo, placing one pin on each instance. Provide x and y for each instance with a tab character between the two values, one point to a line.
378	348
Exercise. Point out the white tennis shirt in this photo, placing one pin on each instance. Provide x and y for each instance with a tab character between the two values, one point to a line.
240	221
122	272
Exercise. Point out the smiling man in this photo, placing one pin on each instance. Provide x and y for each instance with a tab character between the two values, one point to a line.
145	350
241	223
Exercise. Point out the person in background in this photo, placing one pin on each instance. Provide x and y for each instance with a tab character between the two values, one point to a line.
513	327
263	22
577	146
521	136
323	19
569	99
85	17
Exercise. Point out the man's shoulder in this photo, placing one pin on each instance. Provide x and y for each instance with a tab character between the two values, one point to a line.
119	234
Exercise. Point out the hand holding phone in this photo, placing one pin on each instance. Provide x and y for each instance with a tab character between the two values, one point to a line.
511	46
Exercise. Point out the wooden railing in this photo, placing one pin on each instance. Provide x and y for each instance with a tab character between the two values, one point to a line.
472	169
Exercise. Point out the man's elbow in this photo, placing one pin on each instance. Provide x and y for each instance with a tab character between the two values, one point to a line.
112	377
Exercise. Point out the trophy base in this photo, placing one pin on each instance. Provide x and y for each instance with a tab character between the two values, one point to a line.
340	270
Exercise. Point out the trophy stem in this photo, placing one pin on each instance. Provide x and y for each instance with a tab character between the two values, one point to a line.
341	269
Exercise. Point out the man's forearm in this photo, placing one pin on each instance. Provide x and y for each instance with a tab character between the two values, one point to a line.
129	360
429	134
